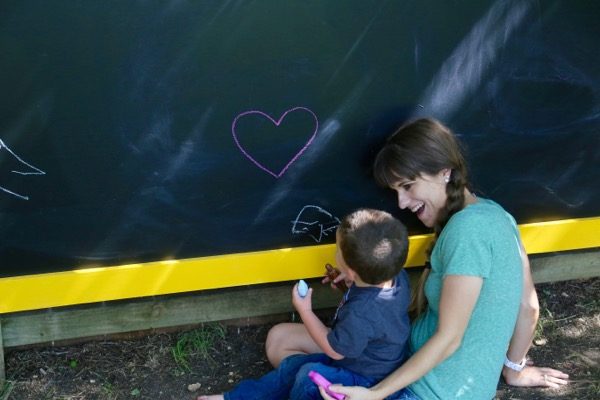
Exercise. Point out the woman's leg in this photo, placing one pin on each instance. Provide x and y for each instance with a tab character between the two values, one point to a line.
286	339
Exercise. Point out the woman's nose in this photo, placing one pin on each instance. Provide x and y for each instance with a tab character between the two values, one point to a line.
402	200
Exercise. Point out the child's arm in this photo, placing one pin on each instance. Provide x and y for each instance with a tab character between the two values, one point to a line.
317	329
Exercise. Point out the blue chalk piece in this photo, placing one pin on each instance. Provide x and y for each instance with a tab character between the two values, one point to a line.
302	288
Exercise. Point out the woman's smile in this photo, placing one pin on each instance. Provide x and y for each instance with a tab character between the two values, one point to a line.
425	196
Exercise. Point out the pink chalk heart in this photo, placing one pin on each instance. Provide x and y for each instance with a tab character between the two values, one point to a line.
277	123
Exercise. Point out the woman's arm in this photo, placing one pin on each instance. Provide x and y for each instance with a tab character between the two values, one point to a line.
458	298
523	335
529	311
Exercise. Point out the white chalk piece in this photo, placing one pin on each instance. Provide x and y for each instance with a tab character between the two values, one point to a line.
302	288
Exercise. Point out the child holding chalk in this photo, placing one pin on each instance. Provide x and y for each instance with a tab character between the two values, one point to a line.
371	327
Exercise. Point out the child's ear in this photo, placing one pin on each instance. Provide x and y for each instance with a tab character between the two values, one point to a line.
351	274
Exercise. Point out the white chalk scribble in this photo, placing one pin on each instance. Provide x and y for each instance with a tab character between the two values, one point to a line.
32	170
314	222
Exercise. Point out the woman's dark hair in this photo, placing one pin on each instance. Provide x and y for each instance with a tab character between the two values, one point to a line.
424	146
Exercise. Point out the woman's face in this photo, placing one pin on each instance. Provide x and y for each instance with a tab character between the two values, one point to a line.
425	196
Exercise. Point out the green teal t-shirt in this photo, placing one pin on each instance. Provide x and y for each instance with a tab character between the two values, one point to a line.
480	240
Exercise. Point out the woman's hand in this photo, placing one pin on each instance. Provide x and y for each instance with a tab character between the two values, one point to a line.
351	392
535	376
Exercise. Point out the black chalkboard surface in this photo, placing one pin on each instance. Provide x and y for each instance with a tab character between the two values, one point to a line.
138	131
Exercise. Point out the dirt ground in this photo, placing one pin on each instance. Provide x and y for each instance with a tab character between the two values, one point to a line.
214	357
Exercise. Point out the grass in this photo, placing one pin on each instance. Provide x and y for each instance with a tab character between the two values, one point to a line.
108	390
197	342
545	323
5	389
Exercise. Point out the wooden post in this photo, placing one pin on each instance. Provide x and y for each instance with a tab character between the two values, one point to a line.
2	372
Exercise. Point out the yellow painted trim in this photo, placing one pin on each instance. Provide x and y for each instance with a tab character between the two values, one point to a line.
562	235
91	285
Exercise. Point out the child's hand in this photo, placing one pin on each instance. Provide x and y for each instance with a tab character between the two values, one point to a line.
300	303
338	279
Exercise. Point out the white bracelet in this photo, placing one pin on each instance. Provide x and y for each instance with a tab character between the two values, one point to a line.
514	366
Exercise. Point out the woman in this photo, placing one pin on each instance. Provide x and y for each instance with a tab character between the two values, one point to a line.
480	296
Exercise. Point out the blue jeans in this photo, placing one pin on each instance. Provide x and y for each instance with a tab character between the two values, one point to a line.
304	388
290	380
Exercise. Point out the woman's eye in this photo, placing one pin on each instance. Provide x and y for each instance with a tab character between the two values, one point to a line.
406	186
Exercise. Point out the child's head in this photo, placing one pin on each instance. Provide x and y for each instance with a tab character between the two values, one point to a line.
373	244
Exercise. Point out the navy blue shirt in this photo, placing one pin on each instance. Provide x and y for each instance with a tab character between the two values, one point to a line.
372	328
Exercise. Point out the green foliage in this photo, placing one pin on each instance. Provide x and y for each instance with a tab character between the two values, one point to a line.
5	389
595	388
180	355
108	389
545	322
197	342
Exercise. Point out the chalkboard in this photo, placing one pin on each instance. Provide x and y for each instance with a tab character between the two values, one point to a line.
138	131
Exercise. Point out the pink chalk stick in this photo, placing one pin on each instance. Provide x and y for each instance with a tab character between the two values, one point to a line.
320	380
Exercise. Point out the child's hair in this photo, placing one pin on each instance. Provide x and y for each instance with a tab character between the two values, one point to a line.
424	146
374	244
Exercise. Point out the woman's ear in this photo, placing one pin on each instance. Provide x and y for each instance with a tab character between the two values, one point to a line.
445	175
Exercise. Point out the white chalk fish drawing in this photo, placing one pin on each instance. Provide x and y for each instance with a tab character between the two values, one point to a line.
314	222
